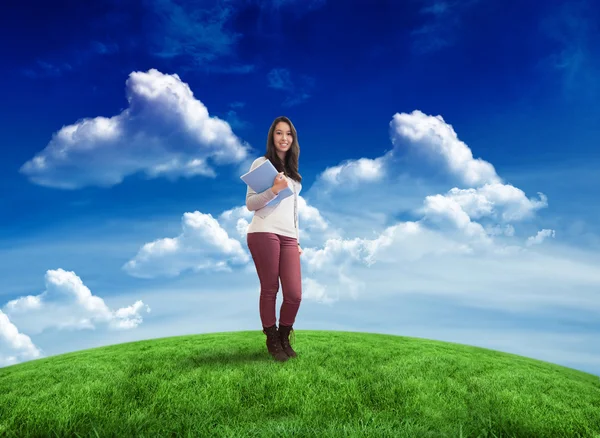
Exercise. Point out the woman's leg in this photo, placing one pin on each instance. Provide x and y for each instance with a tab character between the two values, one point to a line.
291	280
265	250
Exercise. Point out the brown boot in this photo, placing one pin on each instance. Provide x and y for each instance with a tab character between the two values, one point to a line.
284	333
274	344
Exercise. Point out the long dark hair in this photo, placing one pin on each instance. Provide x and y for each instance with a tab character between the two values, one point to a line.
290	165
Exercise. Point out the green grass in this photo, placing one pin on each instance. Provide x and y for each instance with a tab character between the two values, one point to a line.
342	384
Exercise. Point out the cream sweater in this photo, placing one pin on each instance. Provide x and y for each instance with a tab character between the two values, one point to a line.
282	219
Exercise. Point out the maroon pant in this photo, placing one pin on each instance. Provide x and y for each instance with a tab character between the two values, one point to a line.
276	256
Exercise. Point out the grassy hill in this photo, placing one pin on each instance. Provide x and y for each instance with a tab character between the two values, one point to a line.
342	384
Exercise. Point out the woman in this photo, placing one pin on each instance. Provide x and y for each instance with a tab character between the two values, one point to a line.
274	240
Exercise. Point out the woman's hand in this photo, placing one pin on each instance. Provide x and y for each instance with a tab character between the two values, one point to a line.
279	183
299	250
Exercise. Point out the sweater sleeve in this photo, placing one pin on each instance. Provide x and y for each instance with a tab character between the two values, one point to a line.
255	201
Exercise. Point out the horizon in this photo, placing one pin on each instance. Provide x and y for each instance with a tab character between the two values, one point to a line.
448	153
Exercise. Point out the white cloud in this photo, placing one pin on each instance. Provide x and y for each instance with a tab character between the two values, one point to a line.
498	230
352	172
417	138
202	245
29	302
339	268
66	304
314	228
491	202
411	258
236	221
395	183
315	291
458	229
433	138
442	208
491	199
15	347
540	237
338	252
344	286
311	215
165	132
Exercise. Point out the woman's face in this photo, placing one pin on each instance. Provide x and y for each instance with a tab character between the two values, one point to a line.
282	137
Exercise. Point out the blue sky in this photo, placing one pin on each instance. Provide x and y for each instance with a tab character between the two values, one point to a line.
449	154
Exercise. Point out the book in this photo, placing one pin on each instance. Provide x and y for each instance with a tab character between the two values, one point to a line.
261	178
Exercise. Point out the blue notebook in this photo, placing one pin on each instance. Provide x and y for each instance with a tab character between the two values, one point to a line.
261	178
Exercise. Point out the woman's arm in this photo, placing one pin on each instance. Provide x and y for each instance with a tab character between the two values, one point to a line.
255	201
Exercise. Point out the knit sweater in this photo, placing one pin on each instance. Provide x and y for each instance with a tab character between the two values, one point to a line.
278	219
